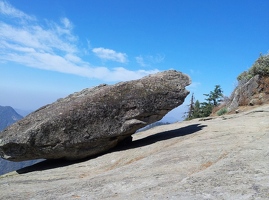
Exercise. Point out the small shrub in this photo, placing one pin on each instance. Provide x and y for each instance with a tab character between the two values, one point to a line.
222	111
260	67
244	77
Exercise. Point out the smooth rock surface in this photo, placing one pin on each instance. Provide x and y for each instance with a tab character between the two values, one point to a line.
223	158
94	120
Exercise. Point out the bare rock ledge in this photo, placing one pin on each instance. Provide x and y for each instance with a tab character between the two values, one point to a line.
222	158
94	120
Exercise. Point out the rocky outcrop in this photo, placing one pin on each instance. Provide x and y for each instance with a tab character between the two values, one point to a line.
253	92
94	120
226	157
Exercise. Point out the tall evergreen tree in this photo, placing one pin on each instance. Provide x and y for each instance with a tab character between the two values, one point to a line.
191	108
204	109
196	110
215	97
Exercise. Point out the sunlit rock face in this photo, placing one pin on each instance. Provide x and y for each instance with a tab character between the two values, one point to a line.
94	120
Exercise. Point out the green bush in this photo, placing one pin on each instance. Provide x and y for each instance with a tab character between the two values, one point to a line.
260	67
244	77
222	111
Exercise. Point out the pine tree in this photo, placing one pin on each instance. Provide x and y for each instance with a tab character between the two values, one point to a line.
196	110
191	108
215	97
213	100
204	109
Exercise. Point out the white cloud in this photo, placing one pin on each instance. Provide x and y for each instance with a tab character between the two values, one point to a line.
52	46
123	74
140	61
8	10
89	46
73	58
193	86
157	59
67	24
194	71
146	61
33	36
68	64
109	54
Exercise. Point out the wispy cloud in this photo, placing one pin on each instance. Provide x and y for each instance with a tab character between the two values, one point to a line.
109	54
8	10
157	58
148	60
50	45
194	71
194	85
140	61
67	24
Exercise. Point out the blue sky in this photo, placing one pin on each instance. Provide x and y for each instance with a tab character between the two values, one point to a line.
49	49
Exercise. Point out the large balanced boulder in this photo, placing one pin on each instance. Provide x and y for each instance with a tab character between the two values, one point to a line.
94	120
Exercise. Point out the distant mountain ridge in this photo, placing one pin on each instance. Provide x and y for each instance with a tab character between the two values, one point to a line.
23	112
8	116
